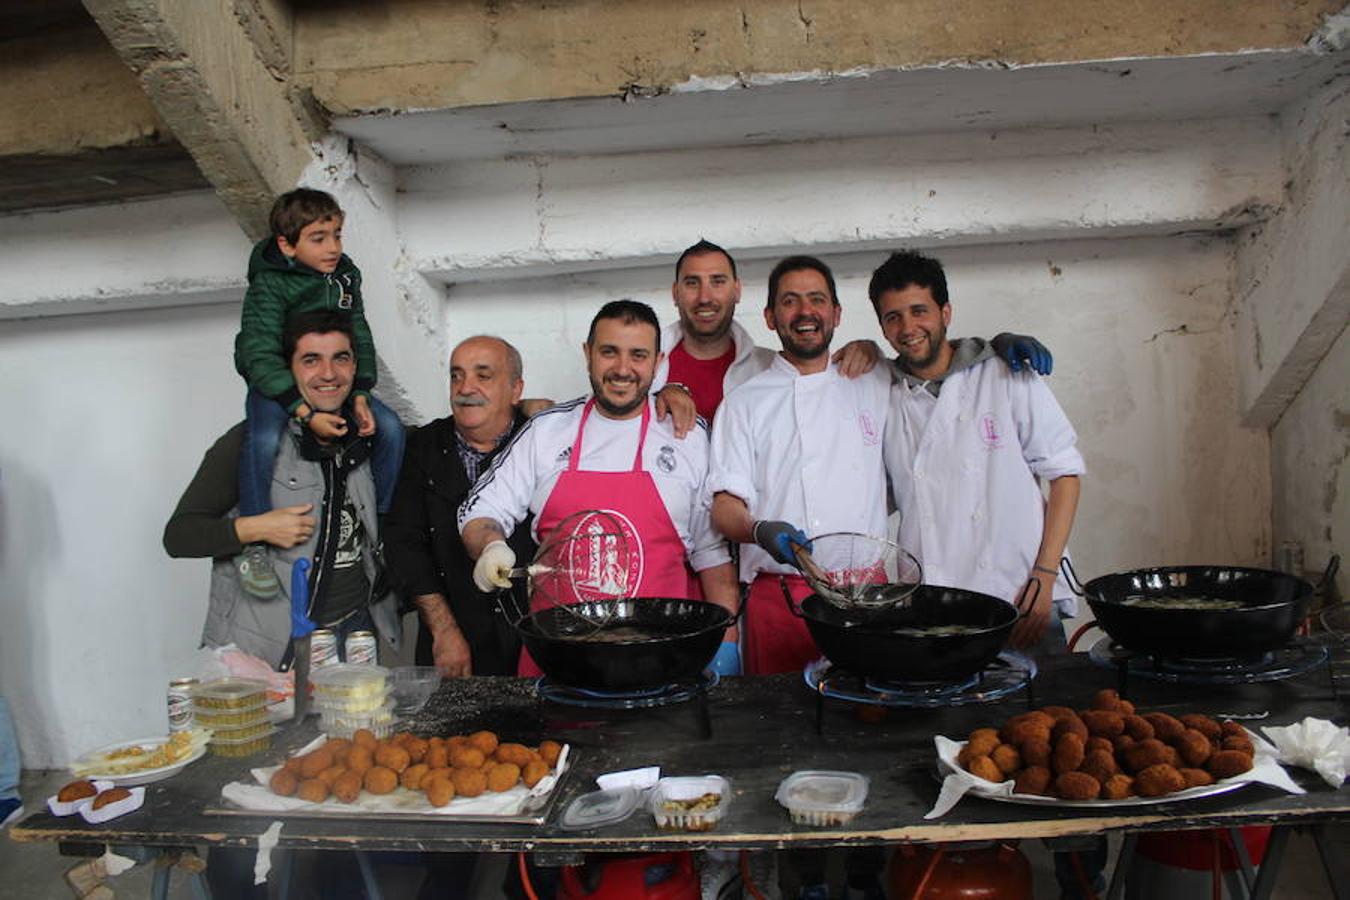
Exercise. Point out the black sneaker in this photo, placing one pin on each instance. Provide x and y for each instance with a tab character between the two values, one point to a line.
10	810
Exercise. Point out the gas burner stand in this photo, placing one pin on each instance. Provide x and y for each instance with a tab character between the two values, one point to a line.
1300	656
692	689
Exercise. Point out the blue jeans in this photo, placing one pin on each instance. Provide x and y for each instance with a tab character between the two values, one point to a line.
262	438
9	755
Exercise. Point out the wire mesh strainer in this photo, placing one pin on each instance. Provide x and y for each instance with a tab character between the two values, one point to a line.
858	572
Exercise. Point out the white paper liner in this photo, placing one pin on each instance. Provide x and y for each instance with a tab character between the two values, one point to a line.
57	808
1315	744
262	862
1265	769
113	810
259	796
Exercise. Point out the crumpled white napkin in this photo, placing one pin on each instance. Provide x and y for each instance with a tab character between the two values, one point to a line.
1314	744
641	779
1265	769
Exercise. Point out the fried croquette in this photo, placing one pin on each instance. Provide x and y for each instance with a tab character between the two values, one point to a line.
1021	727
313	790
1103	722
982	742
77	790
551	750
293	764
1118	787
1006	757
411	777
1210	728
1107	699
513	753
1165	727
1229	728
360	759
1068	754
984	767
417	749
503	777
1194	747
1196	777
1145	753
331	774
1032	780
348	787
466	757
468	782
338	746
439	791
438	757
364	737
1138	728
380	780
1036	753
1069	725
1058	712
284	782
314	763
1097	742
110	796
1077	786
1172	757
393	757
1227	763
1126	708
1121	741
1238	742
534	770
1100	764
485	741
1156	780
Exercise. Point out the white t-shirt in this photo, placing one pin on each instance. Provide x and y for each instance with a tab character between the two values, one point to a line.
804	449
523	474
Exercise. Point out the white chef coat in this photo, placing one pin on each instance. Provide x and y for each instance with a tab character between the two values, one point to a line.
748	362
523	474
804	449
963	468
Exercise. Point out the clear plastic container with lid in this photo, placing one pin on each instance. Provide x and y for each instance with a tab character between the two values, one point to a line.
229	694
245	746
354	704
380	721
690	803
224	719
351	684
600	808
822	798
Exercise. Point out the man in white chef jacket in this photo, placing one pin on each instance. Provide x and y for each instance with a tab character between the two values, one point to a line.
968	444
608	451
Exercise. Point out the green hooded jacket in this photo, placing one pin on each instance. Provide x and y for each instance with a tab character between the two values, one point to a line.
278	288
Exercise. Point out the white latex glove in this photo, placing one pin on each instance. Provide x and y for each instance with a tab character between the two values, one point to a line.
493	568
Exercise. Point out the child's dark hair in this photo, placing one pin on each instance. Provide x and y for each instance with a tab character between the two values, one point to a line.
314	321
298	208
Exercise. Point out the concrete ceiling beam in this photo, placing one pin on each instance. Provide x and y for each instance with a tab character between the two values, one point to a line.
1292	282
216	88
433	54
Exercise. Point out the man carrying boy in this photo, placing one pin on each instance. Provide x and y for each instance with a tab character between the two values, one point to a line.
299	268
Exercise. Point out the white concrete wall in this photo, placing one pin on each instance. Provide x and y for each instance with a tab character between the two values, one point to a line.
1143	368
1310	462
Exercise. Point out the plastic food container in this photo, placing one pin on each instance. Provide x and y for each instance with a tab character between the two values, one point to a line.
225	719
600	808
822	798
413	686
242	732
350	684
242	746
230	694
693	803
362	703
379	721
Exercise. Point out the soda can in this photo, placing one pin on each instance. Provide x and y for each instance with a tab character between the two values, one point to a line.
361	648
181	716
323	649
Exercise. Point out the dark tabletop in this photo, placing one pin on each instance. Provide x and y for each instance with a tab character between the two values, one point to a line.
762	729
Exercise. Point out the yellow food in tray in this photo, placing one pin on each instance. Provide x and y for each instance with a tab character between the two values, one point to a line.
144	757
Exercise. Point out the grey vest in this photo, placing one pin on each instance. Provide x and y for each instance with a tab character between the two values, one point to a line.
263	627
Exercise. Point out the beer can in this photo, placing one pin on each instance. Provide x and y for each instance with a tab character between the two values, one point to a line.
323	649
180	704
361	648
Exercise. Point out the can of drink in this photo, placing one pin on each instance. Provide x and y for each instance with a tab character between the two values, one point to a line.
361	648
180	704
1291	558
323	649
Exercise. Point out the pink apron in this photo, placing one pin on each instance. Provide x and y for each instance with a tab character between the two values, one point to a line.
657	554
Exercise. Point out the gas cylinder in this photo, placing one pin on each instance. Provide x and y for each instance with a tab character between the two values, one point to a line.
645	876
998	872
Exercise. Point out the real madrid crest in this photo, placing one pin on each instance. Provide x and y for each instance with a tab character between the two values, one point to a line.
665	460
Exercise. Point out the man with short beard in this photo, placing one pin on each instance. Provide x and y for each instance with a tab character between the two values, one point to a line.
607	452
461	631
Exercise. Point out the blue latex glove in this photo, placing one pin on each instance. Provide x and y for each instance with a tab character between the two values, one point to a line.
300	623
728	659
1018	350
777	539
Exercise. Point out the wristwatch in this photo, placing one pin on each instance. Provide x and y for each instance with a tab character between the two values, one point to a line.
304	420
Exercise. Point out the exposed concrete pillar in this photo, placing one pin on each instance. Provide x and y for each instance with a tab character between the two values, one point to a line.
216	89
1292	293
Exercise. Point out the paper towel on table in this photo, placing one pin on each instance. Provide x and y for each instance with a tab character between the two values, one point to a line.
1265	769
1314	744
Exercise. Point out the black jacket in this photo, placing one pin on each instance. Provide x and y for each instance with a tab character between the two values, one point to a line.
425	556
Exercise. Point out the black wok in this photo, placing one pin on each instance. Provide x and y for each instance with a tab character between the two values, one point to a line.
645	642
872	644
1271	606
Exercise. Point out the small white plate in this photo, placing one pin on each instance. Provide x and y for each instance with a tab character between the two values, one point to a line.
143	776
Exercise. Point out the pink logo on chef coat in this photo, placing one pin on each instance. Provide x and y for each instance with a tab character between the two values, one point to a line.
989	432
604	556
869	429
